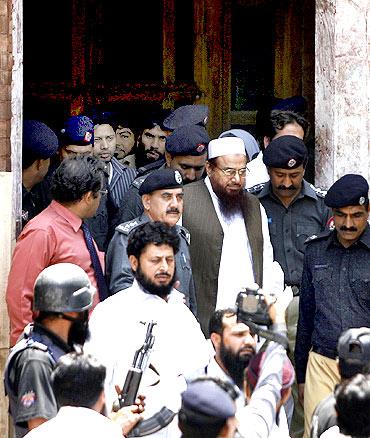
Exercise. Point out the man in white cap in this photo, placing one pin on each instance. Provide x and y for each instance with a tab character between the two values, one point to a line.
230	246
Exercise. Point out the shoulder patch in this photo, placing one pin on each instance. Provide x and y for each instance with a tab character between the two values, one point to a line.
256	189
127	227
320	236
138	181
319	192
185	234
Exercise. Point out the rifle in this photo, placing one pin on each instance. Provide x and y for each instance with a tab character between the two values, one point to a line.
130	389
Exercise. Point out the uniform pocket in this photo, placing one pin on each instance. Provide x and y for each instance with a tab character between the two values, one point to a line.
360	282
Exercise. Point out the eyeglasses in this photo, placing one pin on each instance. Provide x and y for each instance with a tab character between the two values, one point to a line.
103	192
230	172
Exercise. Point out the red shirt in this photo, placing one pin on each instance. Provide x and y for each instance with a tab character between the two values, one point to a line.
53	236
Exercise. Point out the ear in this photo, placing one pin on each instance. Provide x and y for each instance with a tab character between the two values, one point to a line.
216	340
168	158
145	199
88	197
208	168
134	262
266	141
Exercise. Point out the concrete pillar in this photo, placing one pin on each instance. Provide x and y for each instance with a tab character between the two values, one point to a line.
11	92
342	89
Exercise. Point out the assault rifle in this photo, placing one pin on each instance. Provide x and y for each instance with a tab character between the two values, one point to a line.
130	389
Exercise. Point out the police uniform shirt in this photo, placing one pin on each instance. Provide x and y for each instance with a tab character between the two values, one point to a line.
29	376
290	226
334	295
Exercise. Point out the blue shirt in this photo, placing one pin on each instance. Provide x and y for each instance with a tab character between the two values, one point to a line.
334	295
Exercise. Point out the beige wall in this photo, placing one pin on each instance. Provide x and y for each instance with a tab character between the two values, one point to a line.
342	89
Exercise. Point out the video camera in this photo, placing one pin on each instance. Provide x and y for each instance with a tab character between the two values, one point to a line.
253	311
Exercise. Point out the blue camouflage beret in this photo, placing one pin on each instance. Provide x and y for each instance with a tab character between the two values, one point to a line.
351	189
78	130
204	401
188	140
161	179
39	139
186	115
285	152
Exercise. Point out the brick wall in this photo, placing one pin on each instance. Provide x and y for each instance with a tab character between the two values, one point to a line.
5	83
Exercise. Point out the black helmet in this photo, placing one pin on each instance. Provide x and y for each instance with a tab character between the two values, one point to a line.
354	351
63	287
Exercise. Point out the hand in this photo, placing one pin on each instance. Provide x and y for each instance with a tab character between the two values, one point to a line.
301	393
139	402
126	418
278	304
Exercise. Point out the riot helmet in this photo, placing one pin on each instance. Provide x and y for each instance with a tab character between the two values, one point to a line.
63	287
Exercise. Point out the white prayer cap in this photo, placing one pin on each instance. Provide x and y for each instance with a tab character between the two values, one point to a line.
225	146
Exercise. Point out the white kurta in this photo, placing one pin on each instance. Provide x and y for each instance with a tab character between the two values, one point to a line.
257	172
179	348
236	265
73	422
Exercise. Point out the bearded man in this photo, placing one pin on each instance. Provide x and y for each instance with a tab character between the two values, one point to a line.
230	246
117	329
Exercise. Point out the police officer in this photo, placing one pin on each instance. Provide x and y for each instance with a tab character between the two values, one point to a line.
208	409
187	115
295	210
335	289
186	151
39	144
162	199
62	296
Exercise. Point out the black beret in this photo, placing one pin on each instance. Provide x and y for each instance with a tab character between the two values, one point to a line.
185	116
204	401
161	179
351	189
298	104
285	152
188	140
78	130
39	139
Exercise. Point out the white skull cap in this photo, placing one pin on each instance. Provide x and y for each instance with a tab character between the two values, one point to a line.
225	146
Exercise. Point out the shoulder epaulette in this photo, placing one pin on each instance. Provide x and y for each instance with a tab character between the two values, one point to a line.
126	227
256	189
185	233
320	236
138	181
319	192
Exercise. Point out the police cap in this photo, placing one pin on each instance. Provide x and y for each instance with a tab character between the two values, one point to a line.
78	130
351	189
186	115
206	402
354	351
285	152
39	139
188	140
161	179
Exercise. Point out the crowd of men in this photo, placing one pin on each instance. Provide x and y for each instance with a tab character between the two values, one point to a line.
127	225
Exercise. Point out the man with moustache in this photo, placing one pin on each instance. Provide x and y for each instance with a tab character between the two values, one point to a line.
117	328
295	210
186	151
230	246
162	197
62	296
335	290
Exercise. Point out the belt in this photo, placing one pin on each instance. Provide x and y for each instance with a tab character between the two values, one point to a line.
331	354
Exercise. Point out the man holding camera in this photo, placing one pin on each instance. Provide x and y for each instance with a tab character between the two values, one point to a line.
235	347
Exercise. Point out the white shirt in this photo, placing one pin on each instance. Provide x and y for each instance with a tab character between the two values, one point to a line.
179	347
236	266
257	172
73	422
